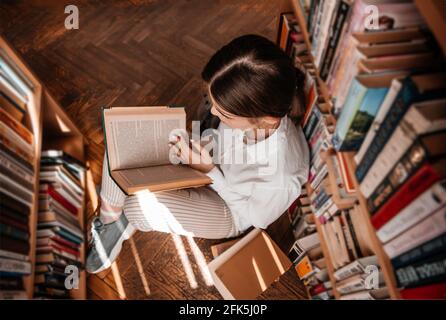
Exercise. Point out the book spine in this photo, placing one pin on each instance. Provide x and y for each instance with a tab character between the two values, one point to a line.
399	174
13	295
425	177
395	114
25	156
21	267
327	205
355	97
435	291
18	128
13	255
11	283
429	202
425	231
392	152
56	196
362	120
319	177
13	232
430	248
12	156
327	22
334	39
394	90
14	223
422	273
18	141
11	244
354	236
12	166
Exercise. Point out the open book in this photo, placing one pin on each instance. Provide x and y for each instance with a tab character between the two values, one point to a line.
136	142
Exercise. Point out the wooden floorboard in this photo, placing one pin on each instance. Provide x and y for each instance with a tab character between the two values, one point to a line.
136	53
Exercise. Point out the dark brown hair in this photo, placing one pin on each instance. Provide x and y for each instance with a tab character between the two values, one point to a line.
252	77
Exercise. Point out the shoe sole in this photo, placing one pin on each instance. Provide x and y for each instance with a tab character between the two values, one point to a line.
128	232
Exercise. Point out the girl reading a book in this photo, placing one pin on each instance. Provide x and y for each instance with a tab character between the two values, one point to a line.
252	84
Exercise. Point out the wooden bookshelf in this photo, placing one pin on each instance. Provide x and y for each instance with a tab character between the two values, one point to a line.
52	129
434	12
60	133
377	248
32	122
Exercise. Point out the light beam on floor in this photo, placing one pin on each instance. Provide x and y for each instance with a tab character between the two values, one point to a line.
139	267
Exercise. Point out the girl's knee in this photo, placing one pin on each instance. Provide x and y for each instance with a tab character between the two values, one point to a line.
139	222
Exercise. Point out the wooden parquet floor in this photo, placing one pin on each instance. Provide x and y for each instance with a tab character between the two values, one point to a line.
137	53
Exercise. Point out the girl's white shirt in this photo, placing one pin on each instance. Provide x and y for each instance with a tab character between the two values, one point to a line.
259	180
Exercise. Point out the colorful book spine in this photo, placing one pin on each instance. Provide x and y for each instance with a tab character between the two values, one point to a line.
399	174
430	228
422	273
425	177
428	202
335	36
435	291
59	198
406	95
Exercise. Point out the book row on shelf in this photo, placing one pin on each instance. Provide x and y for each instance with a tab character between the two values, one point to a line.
41	197
375	122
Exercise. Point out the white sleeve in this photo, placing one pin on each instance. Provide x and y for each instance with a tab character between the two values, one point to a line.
267	202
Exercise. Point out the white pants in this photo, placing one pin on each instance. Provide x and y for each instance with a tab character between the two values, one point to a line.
197	212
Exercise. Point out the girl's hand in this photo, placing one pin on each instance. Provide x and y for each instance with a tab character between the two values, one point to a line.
196	157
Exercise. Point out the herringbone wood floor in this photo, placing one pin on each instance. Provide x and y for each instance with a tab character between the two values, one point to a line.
137	53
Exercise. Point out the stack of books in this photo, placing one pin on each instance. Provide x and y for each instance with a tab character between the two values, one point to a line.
17	173
59	234
306	253
380	137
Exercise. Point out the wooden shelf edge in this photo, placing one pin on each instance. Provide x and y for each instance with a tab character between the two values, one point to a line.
435	17
383	259
328	260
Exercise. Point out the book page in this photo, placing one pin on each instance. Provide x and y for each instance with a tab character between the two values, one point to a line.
140	140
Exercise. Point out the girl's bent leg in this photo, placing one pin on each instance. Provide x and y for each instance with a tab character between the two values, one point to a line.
111	195
197	212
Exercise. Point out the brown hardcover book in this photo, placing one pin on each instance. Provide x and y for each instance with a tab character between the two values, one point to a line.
9	203
18	101
19	128
14	223
137	149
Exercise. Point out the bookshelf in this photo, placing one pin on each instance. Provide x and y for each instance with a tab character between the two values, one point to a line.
52	129
32	122
434	13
